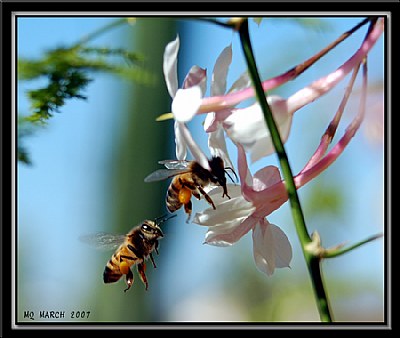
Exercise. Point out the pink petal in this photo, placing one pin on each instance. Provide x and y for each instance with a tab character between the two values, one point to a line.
266	177
196	77
246	180
267	200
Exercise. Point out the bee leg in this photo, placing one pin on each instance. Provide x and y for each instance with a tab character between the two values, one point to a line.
188	210
152	260
196	194
141	267
129	280
225	193
207	197
192	188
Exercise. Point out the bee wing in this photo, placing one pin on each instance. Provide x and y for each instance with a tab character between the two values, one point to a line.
175	164
162	174
103	240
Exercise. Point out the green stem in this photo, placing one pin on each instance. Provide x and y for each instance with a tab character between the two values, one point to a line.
334	253
313	262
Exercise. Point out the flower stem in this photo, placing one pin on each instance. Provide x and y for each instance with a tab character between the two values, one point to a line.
313	263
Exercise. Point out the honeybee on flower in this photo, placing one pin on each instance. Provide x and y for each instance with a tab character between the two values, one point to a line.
264	192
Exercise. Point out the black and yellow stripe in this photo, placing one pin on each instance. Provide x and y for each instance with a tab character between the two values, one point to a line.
172	200
126	253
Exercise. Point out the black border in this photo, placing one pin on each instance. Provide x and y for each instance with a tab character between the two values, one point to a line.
8	8
236	7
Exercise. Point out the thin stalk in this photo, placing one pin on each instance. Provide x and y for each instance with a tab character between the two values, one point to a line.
216	22
313	262
338	252
101	31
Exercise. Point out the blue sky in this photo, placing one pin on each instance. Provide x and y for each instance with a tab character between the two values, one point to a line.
61	196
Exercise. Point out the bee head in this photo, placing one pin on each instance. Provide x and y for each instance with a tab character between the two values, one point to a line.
150	230
217	170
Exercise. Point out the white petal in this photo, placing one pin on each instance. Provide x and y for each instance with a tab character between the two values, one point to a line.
227	213
170	66
264	146
241	83
186	103
247	127
181	146
210	122
213	120
218	80
223	229
229	234
216	192
271	247
217	145
188	141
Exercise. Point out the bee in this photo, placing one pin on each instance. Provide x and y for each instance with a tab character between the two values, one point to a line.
190	178
132	249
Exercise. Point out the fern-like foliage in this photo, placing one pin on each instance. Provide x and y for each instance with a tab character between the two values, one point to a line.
68	71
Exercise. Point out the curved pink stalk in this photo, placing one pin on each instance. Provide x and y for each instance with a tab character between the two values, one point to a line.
306	95
331	130
308	174
273	196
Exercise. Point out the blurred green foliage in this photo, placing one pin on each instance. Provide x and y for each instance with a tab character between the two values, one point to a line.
68	71
305	23
324	198
142	143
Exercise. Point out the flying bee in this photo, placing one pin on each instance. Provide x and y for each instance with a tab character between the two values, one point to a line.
132	249
190	178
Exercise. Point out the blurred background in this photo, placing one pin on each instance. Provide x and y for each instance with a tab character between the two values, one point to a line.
88	164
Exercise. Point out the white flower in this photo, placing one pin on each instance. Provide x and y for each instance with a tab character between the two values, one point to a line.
259	195
244	212
247	127
185	101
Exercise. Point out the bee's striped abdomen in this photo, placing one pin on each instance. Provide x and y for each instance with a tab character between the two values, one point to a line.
172	199
111	272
